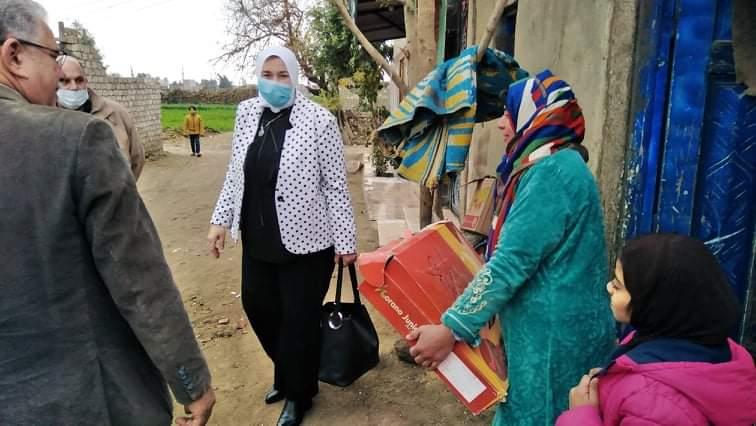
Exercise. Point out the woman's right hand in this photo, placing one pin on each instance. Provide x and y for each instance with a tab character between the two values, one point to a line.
433	343
216	240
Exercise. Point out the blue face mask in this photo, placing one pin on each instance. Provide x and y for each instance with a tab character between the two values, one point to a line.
277	94
72	99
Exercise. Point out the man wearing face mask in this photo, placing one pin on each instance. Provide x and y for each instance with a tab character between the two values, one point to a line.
74	94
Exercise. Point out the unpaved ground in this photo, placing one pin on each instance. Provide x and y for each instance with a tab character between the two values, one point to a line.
180	192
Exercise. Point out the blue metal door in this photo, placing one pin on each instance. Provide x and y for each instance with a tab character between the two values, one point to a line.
692	167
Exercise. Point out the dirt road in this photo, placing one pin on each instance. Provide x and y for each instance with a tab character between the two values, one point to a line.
180	192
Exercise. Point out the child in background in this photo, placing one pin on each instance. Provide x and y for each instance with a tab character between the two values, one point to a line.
678	367
194	128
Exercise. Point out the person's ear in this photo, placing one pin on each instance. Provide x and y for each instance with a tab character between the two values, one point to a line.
11	58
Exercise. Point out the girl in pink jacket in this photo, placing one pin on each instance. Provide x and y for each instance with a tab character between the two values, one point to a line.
678	367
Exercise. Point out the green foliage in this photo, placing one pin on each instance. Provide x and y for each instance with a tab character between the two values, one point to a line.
380	160
336	54
367	86
216	117
331	103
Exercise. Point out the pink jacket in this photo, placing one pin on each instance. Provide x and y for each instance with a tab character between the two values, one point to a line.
673	393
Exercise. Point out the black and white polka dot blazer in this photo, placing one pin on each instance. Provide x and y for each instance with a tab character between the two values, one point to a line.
312	197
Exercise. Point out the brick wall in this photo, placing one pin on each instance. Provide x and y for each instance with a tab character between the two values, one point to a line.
141	97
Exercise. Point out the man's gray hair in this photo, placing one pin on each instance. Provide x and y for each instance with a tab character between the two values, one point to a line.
21	18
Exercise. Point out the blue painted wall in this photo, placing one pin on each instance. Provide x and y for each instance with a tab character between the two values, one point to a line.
692	167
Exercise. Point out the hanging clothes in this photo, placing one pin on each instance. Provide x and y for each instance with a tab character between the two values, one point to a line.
434	123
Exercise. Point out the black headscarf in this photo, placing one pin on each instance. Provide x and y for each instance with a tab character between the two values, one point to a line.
677	290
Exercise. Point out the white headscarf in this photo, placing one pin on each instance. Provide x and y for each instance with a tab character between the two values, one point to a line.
292	65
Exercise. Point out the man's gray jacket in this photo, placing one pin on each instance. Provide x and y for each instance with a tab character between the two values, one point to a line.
91	323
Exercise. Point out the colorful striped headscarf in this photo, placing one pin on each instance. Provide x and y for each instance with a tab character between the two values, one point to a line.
546	117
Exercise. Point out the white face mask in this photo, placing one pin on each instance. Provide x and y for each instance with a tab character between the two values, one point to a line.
72	99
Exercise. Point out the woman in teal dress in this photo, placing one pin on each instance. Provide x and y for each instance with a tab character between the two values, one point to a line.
548	268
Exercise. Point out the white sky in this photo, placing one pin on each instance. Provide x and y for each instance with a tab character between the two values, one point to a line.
157	37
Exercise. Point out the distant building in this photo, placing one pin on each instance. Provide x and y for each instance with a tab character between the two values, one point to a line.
190	85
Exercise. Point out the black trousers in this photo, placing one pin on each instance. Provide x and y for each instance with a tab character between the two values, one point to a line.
194	141
282	302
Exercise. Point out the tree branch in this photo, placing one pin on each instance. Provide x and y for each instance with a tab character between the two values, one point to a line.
368	46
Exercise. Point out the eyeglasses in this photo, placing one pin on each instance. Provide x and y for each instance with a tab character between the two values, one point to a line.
58	54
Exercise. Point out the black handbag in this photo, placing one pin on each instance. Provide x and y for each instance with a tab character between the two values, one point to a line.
349	344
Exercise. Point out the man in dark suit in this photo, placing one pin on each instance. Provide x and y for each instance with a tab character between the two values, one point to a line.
92	326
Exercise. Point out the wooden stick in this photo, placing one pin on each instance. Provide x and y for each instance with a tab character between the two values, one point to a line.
423	61
369	48
491	27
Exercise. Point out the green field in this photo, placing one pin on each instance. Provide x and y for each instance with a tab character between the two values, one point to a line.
216	117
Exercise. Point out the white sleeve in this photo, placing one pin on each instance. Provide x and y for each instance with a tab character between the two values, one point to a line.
334	185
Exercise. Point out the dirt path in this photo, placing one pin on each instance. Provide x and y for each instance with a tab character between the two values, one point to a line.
180	192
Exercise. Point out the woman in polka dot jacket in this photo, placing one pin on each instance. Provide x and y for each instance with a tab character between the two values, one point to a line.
286	193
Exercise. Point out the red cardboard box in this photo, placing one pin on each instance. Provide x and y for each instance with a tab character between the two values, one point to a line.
479	213
412	281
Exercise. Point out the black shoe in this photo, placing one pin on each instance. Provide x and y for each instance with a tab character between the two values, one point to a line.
293	412
273	396
199	155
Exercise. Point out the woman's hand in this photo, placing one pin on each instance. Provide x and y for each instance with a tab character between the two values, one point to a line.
585	393
348	259
433	343
216	240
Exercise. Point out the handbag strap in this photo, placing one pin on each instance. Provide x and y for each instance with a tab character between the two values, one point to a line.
340	281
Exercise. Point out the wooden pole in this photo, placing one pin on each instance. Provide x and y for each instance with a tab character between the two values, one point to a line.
491	26
424	62
369	48
472	35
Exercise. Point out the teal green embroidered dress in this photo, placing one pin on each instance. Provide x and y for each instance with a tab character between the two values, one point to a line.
547	280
